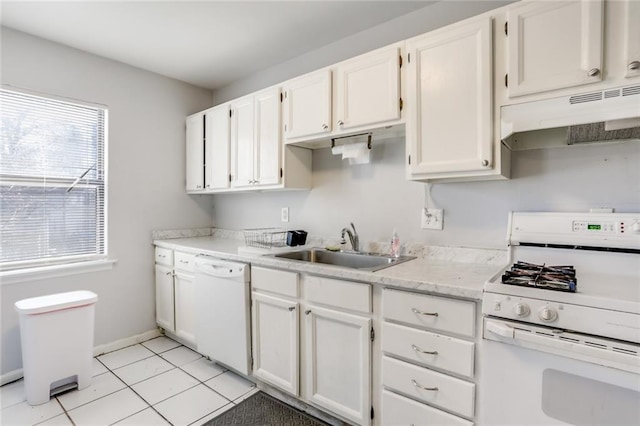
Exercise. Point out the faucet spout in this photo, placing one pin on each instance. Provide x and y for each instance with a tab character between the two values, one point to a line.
354	239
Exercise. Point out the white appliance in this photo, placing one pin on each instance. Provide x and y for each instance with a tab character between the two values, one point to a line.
601	115
561	357
222	312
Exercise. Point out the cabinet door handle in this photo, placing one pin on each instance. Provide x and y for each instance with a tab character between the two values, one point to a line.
431	314
485	163
419	386
325	127
184	261
340	123
307	312
634	65
417	349
593	72
292	308
169	273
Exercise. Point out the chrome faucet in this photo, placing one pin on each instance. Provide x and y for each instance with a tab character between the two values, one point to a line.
353	237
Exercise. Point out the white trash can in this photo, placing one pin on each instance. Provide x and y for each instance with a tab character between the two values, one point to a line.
56	332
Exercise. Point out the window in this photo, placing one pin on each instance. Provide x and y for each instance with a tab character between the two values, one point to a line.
52	181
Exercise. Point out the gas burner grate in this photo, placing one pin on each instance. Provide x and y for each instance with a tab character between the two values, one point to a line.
561	278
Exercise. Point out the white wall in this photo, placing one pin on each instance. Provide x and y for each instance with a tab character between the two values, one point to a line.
146	178
378	198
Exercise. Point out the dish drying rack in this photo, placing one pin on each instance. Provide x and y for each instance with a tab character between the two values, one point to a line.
265	237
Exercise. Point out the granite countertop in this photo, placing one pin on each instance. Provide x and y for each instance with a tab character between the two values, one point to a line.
456	272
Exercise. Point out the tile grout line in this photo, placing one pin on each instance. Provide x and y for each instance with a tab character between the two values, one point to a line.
138	395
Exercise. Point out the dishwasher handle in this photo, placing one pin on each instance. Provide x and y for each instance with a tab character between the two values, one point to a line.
221	269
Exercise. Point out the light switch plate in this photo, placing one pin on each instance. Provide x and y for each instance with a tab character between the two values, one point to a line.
432	219
284	214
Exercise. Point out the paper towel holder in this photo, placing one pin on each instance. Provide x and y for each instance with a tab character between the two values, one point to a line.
368	134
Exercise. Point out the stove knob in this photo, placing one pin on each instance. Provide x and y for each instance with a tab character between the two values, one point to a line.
521	310
547	314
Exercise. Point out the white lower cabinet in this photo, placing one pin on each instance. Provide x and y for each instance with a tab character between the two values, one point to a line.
275	341
400	411
338	355
427	374
329	354
164	297
185	306
175	300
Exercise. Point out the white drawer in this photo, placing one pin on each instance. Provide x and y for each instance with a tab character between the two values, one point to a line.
453	394
451	354
164	256
338	293
437	313
400	411
274	281
184	261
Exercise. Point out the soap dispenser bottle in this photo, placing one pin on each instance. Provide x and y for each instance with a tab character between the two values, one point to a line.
395	244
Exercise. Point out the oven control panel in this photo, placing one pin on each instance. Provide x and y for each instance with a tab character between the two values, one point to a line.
594	227
566	316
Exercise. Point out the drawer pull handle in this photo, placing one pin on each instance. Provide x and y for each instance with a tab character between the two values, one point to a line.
307	312
292	308
184	261
417	349
419	386
431	314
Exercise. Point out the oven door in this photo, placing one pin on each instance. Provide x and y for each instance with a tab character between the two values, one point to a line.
531	375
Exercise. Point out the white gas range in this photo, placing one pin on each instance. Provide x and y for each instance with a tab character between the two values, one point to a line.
571	354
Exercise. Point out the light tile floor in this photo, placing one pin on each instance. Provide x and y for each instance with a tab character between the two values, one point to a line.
157	382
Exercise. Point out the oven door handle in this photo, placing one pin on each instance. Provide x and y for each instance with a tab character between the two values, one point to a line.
501	329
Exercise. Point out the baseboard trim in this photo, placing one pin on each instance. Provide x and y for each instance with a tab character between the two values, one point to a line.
14	375
123	343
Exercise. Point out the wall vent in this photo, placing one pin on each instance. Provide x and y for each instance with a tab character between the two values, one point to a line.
631	90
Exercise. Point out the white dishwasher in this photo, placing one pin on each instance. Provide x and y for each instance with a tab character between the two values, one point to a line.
222	312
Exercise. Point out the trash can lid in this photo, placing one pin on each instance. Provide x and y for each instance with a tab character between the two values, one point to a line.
55	302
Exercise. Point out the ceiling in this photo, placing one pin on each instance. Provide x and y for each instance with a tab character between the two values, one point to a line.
206	43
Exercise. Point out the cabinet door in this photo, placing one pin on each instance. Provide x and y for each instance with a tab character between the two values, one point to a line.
338	356
275	341
195	152
267	137
307	107
368	89
217	140
242	145
449	127
632	38
553	45
185	307
164	297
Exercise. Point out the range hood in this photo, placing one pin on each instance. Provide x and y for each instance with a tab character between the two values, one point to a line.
601	116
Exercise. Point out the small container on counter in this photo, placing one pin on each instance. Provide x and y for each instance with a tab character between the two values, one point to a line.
296	238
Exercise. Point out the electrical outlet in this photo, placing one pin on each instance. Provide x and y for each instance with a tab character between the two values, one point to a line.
432	219
284	214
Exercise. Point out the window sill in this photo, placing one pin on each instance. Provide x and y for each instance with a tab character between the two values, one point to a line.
53	271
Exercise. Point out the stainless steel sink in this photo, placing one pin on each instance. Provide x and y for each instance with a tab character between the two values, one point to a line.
353	260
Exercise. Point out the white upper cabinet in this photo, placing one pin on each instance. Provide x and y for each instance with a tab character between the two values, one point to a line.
267	144
307	105
632	38
242	142
195	152
255	139
368	89
217	147
553	45
449	90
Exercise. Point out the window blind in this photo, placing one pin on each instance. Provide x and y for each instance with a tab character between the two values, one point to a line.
52	181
